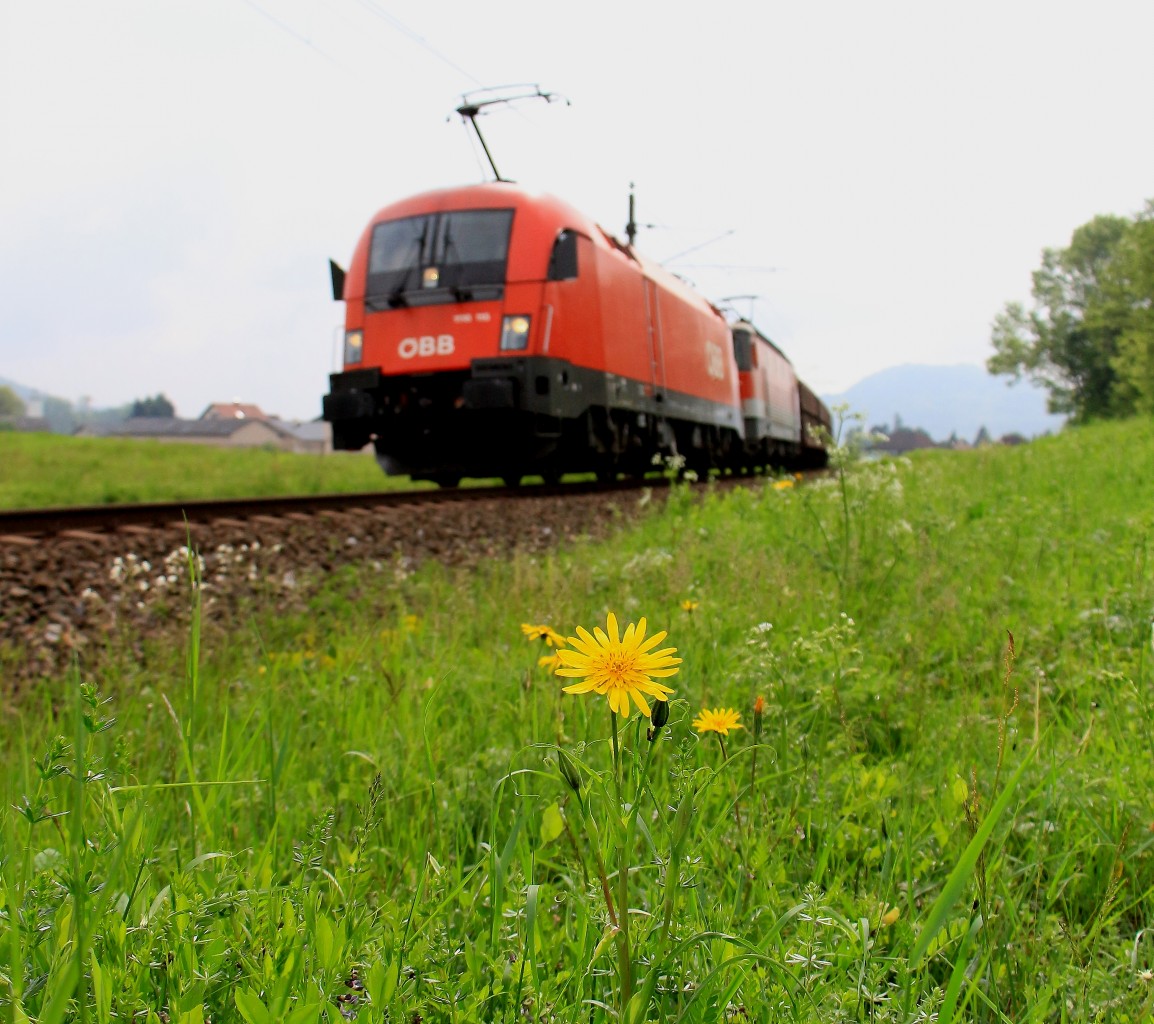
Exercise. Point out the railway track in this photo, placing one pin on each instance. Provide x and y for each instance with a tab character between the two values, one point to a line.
72	578
93	522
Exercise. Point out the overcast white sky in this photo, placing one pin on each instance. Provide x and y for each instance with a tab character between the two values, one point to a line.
174	174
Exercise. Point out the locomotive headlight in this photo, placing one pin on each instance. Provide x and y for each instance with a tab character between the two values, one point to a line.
514	333
354	342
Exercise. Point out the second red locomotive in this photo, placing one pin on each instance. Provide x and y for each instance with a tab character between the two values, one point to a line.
494	332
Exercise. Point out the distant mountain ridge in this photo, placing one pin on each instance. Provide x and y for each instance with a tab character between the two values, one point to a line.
949	400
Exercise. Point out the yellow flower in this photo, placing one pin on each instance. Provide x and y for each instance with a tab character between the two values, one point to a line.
551	637
890	916
689	605
718	720
619	666
783	485
549	661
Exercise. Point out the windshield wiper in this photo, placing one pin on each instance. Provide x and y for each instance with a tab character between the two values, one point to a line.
398	297
460	292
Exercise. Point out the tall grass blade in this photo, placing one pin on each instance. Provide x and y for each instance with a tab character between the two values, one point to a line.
958	878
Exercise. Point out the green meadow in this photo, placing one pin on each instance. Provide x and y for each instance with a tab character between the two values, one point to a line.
935	804
41	470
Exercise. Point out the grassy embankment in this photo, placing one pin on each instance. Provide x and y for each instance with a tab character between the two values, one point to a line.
41	470
367	802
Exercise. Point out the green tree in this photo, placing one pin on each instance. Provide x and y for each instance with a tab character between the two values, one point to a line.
11	404
1129	301
1067	343
158	407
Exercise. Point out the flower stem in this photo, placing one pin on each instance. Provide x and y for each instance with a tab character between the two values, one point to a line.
595	843
736	799
624	957
616	757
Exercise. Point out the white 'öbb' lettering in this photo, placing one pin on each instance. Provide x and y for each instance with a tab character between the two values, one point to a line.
426	345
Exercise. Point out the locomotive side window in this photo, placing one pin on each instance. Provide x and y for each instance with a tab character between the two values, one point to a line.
563	260
743	350
438	258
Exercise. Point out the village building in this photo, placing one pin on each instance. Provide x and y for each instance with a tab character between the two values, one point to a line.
225	424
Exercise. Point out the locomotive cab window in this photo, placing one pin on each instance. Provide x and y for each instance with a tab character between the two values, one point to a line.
457	256
563	260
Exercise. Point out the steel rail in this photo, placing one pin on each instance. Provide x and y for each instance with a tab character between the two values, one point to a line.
46	522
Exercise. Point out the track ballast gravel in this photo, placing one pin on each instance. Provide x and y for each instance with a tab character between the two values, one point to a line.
63	597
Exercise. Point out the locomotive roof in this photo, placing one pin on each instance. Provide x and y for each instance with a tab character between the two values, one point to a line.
545	209
745	325
492	194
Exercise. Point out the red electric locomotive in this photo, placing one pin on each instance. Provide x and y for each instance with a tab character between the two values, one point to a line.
491	331
782	416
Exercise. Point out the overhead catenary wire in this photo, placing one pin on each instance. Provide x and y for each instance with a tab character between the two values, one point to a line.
285	27
700	245
416	37
395	23
729	266
389	19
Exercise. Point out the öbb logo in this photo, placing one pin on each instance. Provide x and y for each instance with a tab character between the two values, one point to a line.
714	361
426	345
